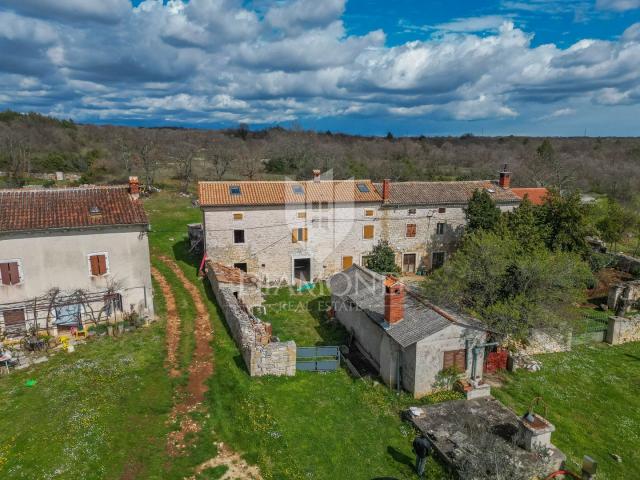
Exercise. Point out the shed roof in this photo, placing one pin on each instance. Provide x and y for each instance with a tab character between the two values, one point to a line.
213	194
444	193
536	195
59	208
366	289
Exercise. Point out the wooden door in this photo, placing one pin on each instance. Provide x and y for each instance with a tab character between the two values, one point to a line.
347	262
454	358
409	263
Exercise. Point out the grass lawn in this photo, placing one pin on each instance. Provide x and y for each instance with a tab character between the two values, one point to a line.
593	395
315	426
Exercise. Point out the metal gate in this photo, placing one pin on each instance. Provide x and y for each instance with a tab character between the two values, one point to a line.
594	328
317	359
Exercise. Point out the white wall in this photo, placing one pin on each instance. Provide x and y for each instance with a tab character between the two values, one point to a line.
60	259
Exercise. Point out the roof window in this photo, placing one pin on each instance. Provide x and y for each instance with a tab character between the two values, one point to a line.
94	210
363	187
298	190
234	189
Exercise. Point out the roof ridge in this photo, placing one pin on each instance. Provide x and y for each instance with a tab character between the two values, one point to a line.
284	181
62	189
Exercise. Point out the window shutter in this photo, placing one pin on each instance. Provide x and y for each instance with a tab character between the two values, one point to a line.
294	236
454	358
95	265
411	230
4	274
347	262
13	317
304	234
368	232
102	264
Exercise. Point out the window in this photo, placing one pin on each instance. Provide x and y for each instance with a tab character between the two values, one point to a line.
238	216
241	266
347	261
315	205
302	215
298	190
411	230
98	264
234	189
365	260
14	319
238	236
363	187
10	272
442	210
412	211
437	260
440	229
455	359
368	232
324	205
299	235
369	212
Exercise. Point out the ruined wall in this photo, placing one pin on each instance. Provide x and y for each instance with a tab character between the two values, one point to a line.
253	337
541	341
628	264
623	296
623	330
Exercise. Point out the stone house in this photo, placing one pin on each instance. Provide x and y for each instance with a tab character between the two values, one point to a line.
407	339
293	231
68	255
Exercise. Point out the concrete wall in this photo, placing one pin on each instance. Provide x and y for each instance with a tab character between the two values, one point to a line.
60	259
623	330
253	337
430	355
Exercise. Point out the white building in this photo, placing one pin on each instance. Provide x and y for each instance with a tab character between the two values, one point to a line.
288	231
64	252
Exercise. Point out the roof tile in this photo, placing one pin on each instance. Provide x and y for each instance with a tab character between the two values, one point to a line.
444	193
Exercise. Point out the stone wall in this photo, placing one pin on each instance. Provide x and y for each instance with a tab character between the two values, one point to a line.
541	341
253	337
628	264
623	296
623	330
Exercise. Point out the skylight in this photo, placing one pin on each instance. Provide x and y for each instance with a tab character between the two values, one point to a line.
298	190
94	211
363	187
234	189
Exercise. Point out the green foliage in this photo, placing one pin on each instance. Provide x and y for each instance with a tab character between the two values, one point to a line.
511	291
481	212
566	222
382	258
447	377
523	224
612	220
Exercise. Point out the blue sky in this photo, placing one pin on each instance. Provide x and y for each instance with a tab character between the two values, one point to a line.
495	67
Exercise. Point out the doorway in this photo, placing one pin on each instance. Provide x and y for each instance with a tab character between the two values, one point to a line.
302	269
242	266
409	263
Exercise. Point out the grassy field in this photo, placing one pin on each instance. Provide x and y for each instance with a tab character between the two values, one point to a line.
593	396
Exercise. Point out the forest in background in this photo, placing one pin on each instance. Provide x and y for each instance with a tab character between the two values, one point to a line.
33	143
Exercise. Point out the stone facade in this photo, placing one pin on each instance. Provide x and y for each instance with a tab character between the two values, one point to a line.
623	296
623	330
262	356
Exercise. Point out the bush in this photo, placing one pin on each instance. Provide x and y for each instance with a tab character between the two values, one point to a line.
599	261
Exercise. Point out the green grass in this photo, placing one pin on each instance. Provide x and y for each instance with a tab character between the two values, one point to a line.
302	316
90	413
316	426
593	394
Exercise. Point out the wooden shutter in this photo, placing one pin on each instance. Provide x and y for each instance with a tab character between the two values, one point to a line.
368	232
347	262
95	266
13	317
294	236
102	264
14	273
368	213
454	358
5	276
304	234
238	216
411	229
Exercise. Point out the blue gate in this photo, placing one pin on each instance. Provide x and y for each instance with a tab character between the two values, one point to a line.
317	359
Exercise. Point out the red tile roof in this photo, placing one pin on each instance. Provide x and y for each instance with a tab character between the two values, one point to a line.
44	209
444	193
534	195
284	192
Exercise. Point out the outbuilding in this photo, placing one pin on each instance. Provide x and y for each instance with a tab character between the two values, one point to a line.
406	338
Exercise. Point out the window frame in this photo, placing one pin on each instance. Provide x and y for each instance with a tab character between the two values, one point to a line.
412	211
12	326
237	216
235	187
444	259
440	226
415	230
18	262
244	237
367	210
301	215
442	209
363	187
107	264
300	235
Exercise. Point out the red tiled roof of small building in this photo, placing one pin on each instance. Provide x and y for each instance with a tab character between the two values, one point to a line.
535	195
226	274
212	194
23	210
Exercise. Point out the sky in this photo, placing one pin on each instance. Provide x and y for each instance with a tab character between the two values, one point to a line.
431	67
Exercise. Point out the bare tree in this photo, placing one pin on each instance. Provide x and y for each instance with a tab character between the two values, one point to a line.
125	154
218	159
148	156
16	150
184	154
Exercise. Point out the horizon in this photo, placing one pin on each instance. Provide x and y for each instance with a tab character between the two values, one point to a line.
543	68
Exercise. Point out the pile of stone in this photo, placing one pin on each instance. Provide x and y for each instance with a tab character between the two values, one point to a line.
525	362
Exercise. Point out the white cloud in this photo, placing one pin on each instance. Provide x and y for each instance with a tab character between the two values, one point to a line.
218	60
107	11
618	5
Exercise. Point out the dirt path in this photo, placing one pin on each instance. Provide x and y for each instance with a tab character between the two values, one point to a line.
190	397
173	324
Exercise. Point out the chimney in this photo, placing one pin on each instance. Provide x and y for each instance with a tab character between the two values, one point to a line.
386	189
316	175
393	300
505	177
134	187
